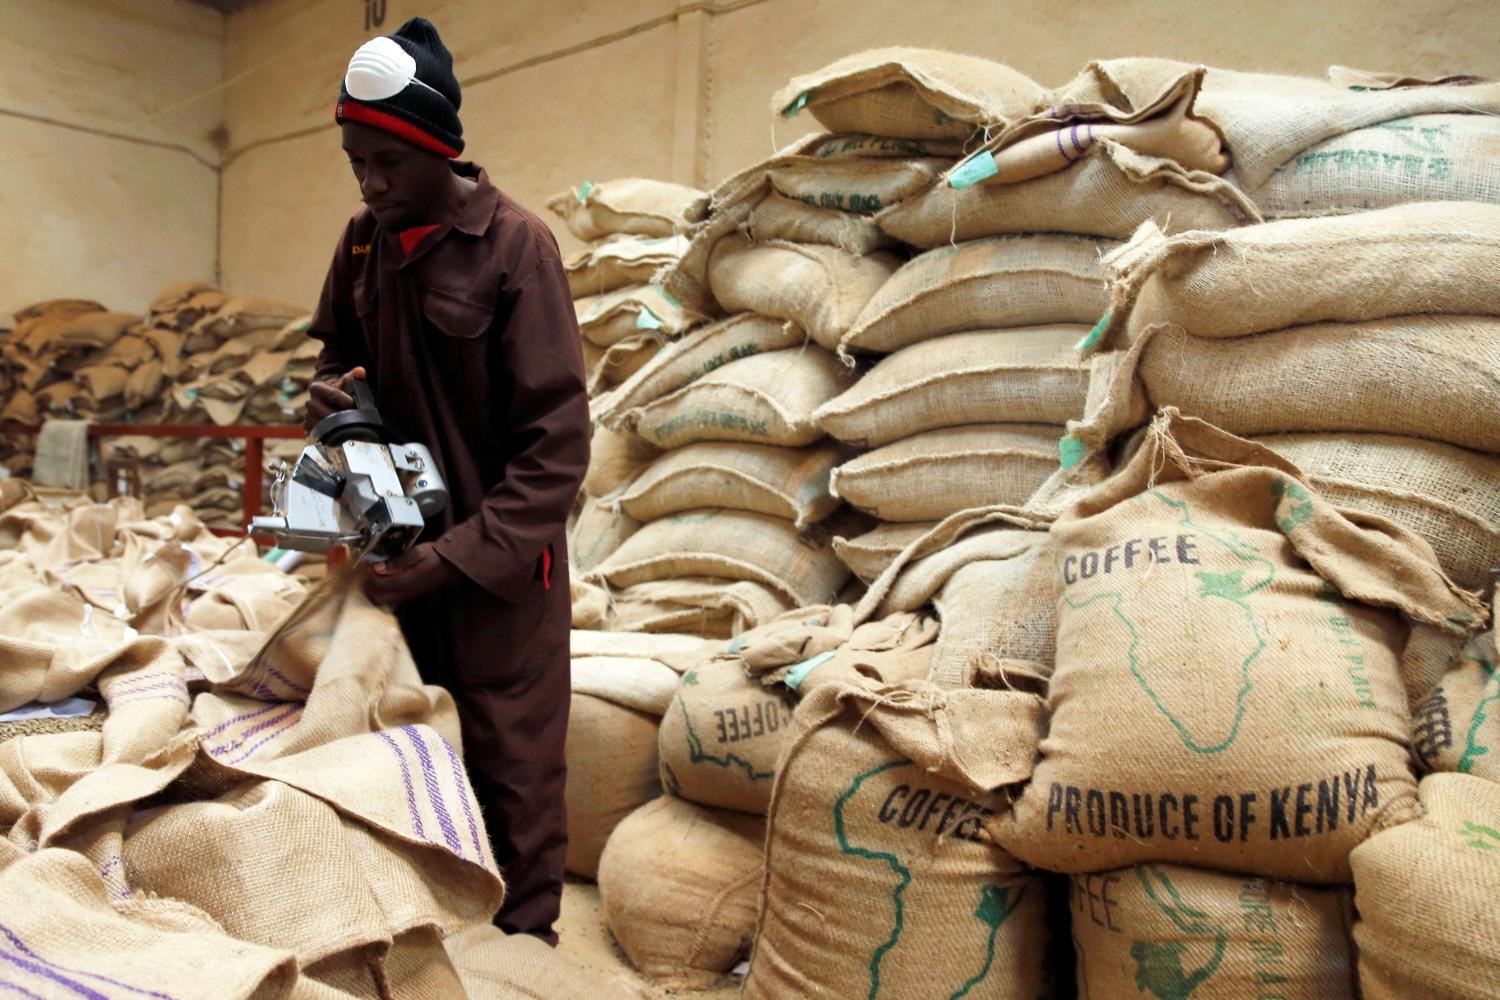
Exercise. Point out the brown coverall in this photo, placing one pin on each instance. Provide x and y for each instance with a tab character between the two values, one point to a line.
471	347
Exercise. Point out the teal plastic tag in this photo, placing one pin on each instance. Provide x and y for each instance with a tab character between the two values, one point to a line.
191	394
973	170
1095	335
801	102
662	291
584	190
736	644
796	675
1070	449
646	320
274	555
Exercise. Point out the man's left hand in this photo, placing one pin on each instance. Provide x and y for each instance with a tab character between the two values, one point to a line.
415	573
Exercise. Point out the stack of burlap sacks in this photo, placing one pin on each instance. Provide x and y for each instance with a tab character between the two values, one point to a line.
1191	688
270	802
198	356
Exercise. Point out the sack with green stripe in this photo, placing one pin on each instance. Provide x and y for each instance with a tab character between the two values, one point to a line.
1458	727
881	879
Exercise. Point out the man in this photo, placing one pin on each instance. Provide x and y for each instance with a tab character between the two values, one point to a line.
451	300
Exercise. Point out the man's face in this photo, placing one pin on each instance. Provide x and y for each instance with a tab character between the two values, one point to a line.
400	182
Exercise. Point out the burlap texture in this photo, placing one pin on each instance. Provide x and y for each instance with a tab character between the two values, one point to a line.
790	483
597	533
854	180
612	765
998	615
643	683
880	879
614	365
630	261
678	883
685	361
1108	193
1156	931
820	288
1457	727
605	320
615	458
1205	565
721	737
910	93
765	398
629	205
921	579
1448	495
1425	892
777	217
868	555
1000	282
931	475
738	545
502	966
1026	375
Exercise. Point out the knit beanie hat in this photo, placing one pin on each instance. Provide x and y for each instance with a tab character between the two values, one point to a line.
404	84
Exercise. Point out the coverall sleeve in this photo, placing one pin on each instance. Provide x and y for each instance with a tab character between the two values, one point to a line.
334	322
537	359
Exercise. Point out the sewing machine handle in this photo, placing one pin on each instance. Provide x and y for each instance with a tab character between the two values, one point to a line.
364	396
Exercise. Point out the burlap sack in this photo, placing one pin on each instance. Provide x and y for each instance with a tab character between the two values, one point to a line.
1026	375
1422	158
1425	893
880	878
721	737
820	288
762	399
780	218
502	966
733	544
612	765
869	554
1109	192
1437	257
609	266
678	883
622	359
1330	377
605	320
930	475
835	176
1457	727
615	458
1448	495
1158	931
597	533
998	615
910	94
630	205
920	579
790	483
1003	282
1206	566
707	607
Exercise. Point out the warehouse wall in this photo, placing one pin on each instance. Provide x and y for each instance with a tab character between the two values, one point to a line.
108	175
556	92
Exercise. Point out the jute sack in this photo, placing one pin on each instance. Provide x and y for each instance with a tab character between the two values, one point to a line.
630	205
413	964
868	555
820	288
930	475
1158	931
1426	892
615	458
1422	158
1205	565
922	578
613	365
1109	192
733	544
678	884
880	879
687	360
612	765
782	218
597	533
708	607
1437	257
1448	495
910	94
721	737
607	319
790	483
1026	375
998	615
1457	728
1001	282
834	176
502	966
1333	377
762	399
618	263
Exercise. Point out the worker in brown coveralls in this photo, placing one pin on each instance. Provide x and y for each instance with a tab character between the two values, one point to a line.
451	299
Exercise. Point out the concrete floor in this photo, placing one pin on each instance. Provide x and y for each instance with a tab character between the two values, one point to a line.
585	940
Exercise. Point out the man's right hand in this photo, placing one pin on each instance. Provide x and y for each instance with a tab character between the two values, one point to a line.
327	396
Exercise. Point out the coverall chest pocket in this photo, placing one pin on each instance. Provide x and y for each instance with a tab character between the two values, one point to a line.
459	347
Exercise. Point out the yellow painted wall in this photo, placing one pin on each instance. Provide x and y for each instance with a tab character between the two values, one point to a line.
108	175
559	91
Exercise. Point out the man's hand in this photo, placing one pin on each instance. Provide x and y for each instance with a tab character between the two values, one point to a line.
417	572
329	396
